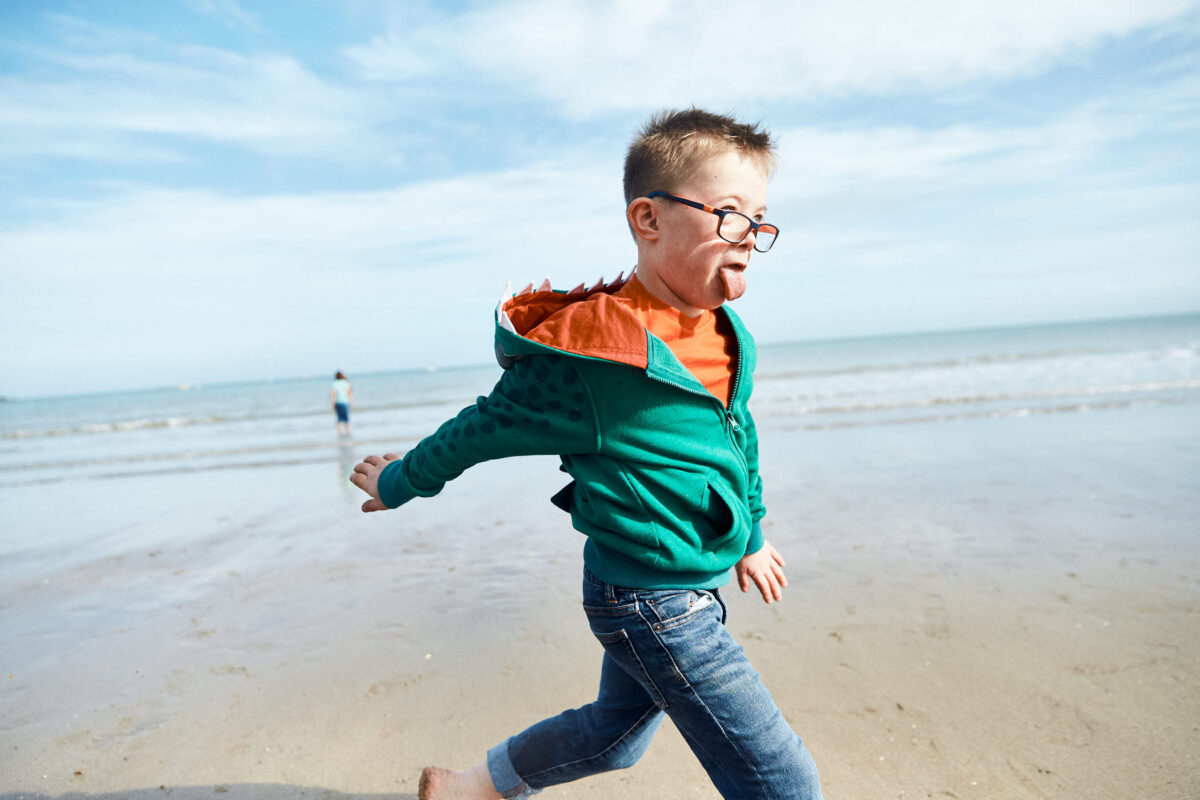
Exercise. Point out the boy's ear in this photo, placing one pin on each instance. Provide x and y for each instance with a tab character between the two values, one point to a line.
642	215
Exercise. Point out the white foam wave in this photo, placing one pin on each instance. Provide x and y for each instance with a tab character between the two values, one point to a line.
1070	356
127	426
1027	411
780	407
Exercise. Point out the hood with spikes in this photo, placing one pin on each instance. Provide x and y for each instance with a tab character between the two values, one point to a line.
584	321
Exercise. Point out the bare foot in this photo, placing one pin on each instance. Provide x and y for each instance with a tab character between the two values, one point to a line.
446	784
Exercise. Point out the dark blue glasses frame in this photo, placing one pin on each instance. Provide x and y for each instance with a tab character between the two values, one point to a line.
765	233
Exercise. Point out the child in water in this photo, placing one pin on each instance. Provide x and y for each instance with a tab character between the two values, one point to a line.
341	397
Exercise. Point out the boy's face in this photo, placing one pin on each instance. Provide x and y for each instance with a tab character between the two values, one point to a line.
696	267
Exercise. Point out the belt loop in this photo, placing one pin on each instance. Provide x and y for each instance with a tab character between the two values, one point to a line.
610	594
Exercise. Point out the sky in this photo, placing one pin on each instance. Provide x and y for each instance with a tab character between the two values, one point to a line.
207	191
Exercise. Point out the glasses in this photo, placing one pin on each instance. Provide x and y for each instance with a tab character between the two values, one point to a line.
733	226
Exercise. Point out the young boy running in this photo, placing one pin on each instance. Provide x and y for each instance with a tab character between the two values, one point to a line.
640	387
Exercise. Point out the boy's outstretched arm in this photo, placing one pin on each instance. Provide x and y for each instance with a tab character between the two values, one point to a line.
765	570
366	477
529	412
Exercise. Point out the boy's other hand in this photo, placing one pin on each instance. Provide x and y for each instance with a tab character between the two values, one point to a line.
765	570
366	477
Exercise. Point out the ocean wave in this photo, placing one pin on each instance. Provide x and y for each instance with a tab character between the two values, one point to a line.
1001	413
764	374
781	407
142	473
110	427
358	445
1025	411
1137	395
151	423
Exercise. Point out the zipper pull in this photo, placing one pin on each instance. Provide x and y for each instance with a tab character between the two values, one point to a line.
733	421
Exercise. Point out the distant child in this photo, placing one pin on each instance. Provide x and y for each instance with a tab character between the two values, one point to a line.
341	397
640	387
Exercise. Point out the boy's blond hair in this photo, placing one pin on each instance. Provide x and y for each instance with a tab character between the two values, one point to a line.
672	144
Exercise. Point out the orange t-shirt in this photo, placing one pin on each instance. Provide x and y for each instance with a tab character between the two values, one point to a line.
697	342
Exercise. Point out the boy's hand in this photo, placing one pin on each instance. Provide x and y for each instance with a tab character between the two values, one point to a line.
765	569
366	477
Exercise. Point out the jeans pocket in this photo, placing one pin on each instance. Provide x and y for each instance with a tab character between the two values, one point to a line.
620	648
678	608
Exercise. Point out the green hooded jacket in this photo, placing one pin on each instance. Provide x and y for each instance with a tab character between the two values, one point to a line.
666	483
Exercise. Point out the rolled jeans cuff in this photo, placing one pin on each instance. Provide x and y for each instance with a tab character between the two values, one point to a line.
508	783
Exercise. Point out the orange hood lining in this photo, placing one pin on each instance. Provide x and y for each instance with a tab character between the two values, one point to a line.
587	322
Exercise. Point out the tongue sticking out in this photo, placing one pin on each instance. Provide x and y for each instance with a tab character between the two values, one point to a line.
735	282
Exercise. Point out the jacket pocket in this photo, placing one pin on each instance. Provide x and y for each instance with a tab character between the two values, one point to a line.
721	516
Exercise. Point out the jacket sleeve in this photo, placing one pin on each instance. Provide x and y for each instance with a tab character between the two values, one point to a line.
539	406
757	509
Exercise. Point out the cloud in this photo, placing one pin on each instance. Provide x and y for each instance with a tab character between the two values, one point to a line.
107	91
174	276
591	58
228	11
174	279
977	223
962	218
103	93
1079	145
390	58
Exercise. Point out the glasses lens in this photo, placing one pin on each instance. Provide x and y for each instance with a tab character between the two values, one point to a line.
733	227
764	240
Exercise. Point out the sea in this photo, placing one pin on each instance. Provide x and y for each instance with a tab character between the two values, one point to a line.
917	379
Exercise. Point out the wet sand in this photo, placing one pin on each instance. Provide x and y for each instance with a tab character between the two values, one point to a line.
986	609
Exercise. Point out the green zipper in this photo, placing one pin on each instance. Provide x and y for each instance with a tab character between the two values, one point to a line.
729	420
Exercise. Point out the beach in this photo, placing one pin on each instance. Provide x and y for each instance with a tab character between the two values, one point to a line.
998	605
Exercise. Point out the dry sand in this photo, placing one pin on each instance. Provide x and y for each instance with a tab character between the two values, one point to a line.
999	609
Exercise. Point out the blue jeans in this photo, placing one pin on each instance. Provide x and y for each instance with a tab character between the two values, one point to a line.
664	651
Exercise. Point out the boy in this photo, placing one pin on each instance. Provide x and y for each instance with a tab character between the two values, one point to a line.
641	388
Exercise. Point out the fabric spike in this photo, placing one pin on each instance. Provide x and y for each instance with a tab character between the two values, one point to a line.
527	290
502	318
545	287
499	304
619	280
504	321
599	284
580	289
